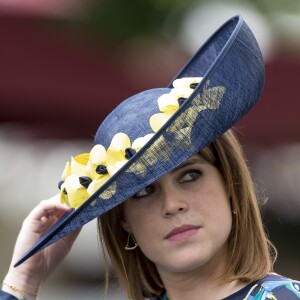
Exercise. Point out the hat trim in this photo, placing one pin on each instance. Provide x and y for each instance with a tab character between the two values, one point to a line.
239	23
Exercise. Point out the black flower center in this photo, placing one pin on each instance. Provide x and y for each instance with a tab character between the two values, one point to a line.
193	85
181	100
129	152
101	169
85	181
60	184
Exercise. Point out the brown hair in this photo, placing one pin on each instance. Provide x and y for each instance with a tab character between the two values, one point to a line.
250	253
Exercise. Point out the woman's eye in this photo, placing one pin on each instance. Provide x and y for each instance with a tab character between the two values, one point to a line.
190	176
144	192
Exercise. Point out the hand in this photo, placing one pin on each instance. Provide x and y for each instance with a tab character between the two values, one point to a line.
33	272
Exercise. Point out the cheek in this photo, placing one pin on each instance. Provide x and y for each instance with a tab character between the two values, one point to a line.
138	217
144	224
221	213
214	204
213	198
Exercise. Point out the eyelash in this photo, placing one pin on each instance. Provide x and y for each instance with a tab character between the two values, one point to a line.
152	187
193	171
136	196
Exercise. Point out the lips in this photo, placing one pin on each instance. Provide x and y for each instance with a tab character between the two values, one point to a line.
182	232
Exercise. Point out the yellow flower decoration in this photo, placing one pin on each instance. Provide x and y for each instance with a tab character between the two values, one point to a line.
72	192
89	171
107	163
169	103
140	142
186	81
116	151
96	168
97	158
77	165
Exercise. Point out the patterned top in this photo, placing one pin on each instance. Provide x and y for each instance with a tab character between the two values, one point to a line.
271	287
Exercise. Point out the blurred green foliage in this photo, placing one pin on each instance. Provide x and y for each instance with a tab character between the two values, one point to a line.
119	20
273	6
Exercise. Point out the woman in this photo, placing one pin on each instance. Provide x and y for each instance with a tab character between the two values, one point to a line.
167	179
204	213
196	232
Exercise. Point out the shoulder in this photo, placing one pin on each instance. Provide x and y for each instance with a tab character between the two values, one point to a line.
6	296
277	287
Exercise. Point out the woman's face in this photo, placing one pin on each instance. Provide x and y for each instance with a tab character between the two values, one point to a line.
183	220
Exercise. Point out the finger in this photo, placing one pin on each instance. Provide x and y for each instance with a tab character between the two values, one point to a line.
46	208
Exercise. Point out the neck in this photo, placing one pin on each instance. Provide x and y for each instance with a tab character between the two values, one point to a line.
201	289
202	283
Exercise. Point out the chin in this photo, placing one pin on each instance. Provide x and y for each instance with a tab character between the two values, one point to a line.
188	262
195	260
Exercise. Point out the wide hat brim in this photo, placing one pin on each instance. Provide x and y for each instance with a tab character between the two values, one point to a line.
232	68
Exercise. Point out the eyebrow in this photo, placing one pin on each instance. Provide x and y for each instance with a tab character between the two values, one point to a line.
191	161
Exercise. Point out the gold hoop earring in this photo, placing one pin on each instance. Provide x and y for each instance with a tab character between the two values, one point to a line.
128	247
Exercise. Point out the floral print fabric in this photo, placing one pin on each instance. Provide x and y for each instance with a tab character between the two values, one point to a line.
271	287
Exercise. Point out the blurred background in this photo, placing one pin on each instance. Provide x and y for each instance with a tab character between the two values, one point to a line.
65	64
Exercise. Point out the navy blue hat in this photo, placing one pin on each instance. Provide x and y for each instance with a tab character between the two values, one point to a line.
227	80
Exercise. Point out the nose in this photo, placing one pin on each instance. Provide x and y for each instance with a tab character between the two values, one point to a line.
173	202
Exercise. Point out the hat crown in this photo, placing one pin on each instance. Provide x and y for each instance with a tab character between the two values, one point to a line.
130	117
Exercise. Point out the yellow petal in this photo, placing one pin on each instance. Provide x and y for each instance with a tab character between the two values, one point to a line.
82	158
97	155
76	193
96	184
63	196
167	103
140	142
120	141
186	81
112	169
116	150
77	198
158	120
66	171
183	92
78	164
90	170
